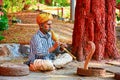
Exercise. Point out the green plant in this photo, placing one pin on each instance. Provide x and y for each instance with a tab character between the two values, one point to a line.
13	5
42	1
3	21
1	37
60	3
117	1
17	5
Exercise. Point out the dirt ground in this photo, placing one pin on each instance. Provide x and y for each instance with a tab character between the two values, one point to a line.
22	33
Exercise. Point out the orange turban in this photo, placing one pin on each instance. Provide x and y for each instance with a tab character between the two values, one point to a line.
43	17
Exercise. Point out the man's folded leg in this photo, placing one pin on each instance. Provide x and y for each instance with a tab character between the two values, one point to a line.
61	60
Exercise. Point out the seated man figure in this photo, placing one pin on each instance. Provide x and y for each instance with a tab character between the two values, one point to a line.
44	46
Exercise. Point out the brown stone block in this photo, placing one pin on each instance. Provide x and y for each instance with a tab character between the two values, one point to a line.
12	69
91	72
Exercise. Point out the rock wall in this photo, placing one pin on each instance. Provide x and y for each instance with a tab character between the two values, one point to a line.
13	51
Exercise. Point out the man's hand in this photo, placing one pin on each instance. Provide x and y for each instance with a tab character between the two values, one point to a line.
62	46
56	44
32	68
